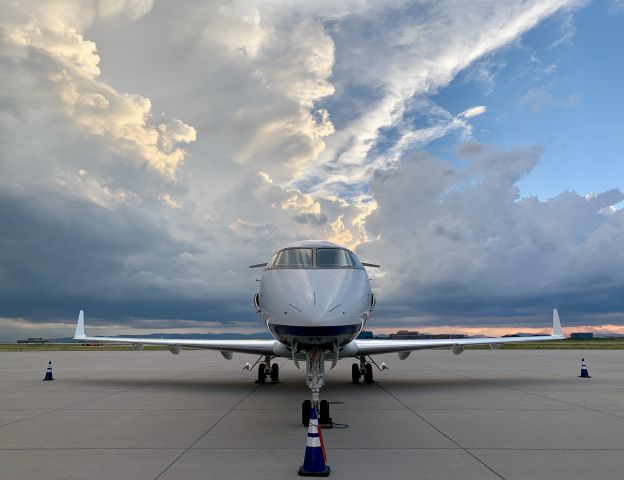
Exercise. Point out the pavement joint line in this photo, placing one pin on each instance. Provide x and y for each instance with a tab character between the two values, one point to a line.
255	387
502	449
545	397
147	409
67	407
468	452
28	449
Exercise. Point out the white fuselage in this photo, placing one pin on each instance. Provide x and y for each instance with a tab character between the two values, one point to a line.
315	305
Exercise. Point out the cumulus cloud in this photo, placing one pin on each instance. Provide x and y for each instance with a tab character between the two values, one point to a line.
462	242
63	68
278	116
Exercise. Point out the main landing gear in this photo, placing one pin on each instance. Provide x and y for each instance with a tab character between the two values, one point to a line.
364	369
266	370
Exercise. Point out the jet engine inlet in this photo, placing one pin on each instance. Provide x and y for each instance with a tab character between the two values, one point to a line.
457	349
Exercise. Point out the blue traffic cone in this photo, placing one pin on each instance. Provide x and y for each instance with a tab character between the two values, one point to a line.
584	371
314	460
48	375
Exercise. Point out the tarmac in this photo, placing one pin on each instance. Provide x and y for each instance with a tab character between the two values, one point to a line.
510	414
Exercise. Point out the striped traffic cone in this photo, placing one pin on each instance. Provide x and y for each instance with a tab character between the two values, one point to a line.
314	460
48	375
584	371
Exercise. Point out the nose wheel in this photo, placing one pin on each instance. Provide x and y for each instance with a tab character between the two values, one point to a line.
324	419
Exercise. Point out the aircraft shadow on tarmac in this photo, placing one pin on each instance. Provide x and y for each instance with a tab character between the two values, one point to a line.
206	383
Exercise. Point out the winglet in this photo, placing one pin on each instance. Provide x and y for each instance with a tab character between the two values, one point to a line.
556	327
80	333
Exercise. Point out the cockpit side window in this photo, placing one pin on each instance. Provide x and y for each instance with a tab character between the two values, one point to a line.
355	260
293	258
333	258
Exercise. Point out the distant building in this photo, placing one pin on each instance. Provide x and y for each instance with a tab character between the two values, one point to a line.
581	335
366	334
34	340
405	335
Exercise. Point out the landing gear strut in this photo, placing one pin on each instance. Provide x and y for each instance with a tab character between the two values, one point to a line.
364	369
265	369
315	379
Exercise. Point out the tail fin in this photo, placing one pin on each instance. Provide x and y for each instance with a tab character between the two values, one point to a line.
80	332
556	327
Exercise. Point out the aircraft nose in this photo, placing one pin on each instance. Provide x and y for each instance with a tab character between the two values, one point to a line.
325	296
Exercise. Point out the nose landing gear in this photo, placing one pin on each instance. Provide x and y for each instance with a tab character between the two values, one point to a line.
315	379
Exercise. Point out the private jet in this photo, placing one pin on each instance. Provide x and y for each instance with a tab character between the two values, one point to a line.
315	298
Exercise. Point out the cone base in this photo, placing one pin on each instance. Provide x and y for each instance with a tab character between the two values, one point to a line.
48	378
321	473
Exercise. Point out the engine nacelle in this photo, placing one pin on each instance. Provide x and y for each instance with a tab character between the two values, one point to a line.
175	349
281	350
457	349
349	350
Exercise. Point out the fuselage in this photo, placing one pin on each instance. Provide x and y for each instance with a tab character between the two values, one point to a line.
314	293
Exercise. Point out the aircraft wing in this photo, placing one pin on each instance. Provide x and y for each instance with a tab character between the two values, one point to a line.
373	347
255	347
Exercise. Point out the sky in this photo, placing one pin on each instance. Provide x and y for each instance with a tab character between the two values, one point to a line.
150	151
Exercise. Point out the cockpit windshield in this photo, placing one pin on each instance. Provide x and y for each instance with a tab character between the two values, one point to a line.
311	258
294	258
333	258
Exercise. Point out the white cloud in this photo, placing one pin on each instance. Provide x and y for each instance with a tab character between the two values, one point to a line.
473	111
415	55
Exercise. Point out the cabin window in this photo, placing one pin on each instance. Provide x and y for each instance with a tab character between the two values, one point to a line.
293	258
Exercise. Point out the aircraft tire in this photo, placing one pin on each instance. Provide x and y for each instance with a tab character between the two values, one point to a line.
261	373
306	407
275	373
368	376
355	373
324	417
